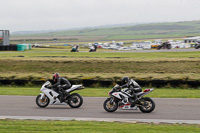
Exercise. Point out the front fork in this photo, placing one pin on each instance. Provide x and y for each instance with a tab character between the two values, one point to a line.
42	95
111	100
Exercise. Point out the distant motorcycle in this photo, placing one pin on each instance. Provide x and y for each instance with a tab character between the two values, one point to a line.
121	99
164	45
93	49
47	97
197	46
75	49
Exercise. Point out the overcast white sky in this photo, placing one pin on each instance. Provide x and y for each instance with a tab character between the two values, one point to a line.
26	15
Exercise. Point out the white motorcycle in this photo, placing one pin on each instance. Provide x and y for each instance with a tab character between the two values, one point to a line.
122	99
49	96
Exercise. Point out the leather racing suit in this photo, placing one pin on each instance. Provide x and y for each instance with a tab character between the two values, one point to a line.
132	88
60	86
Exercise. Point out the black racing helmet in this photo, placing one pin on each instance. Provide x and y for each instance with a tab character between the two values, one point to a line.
55	77
125	80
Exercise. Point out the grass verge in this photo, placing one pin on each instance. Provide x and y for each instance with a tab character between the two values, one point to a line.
86	67
15	126
158	65
103	92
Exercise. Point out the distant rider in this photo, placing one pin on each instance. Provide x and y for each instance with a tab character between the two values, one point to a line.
61	84
132	88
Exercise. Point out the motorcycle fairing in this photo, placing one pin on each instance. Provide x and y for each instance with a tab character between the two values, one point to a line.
74	87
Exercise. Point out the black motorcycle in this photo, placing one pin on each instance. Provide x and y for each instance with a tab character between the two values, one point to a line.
165	45
120	99
93	49
75	49
197	46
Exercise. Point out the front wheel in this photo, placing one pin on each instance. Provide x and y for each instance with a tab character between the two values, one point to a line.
147	105
159	47
42	102
110	106
75	100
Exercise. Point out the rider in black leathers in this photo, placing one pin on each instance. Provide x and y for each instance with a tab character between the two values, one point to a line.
132	87
61	84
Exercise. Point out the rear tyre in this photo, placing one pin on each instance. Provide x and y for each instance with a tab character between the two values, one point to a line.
75	100
148	105
42	102
110	107
169	46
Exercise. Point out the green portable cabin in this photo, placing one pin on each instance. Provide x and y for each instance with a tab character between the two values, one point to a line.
22	47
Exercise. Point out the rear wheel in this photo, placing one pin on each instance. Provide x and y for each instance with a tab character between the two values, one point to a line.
147	105
42	102
110	106
169	46
75	100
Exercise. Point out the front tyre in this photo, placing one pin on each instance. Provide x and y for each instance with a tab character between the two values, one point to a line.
147	105
42	102
110	106
75	100
159	47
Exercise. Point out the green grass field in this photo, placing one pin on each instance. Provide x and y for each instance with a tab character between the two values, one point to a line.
101	53
83	65
16	126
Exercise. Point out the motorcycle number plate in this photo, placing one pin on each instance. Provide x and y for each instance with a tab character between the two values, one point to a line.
127	107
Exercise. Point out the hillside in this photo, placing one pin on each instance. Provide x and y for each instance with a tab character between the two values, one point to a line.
141	31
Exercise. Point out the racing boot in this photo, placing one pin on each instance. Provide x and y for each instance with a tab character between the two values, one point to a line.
136	100
60	97
65	95
133	103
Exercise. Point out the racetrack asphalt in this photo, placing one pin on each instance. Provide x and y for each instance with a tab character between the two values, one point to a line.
168	110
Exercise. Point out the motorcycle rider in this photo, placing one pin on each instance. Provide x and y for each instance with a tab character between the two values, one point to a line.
61	84
132	88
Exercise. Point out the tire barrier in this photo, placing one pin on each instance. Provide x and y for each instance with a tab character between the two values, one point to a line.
109	83
15	47
8	48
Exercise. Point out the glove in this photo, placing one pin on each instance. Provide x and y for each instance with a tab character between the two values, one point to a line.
118	88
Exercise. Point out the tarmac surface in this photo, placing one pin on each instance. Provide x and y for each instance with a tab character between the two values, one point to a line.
168	110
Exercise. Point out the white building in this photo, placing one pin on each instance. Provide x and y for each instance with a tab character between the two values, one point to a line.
192	39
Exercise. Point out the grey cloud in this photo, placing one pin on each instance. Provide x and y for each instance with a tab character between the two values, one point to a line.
62	14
